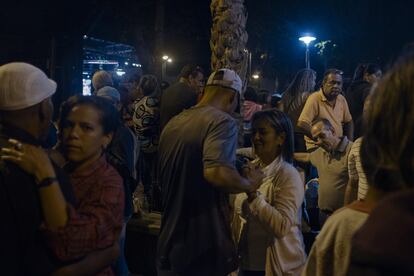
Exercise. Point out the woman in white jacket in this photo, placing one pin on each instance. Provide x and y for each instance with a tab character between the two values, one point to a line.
267	222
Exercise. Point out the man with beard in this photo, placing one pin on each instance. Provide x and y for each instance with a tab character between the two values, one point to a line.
331	160
329	104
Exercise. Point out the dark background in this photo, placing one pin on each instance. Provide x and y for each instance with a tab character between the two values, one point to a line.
49	35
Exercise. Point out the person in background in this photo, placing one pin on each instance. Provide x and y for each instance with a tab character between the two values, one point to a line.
122	154
329	104
365	77
181	95
294	99
250	106
101	79
128	89
264	99
383	245
331	160
147	129
267	223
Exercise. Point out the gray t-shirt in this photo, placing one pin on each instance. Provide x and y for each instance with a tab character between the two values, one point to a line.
195	232
333	175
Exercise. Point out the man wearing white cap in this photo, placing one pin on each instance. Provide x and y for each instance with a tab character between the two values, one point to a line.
196	166
25	112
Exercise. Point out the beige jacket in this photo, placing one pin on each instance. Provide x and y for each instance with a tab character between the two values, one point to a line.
271	222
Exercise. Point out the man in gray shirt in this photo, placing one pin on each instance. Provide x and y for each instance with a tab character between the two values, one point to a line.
331	160
196	165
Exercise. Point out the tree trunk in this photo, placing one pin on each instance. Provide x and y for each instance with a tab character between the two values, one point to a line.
228	44
229	36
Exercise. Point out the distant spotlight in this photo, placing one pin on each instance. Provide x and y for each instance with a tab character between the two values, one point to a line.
126	63
120	73
165	57
139	65
307	39
255	76
134	64
169	60
85	36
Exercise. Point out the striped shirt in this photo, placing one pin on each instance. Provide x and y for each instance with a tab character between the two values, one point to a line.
355	170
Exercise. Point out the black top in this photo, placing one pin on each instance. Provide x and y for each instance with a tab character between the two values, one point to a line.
23	249
356	94
175	99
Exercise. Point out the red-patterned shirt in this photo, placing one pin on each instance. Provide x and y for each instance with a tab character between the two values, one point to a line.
97	221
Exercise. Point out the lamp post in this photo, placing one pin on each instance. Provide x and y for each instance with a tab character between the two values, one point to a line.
165	59
307	40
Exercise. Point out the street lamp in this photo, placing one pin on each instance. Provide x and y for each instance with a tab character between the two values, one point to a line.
165	59
307	40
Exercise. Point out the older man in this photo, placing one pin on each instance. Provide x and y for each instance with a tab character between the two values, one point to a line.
329	104
197	153
331	160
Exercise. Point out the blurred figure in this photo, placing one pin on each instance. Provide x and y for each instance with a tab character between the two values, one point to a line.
147	129
250	106
384	244
122	155
101	79
130	93
294	99
264	99
267	223
183	94
365	76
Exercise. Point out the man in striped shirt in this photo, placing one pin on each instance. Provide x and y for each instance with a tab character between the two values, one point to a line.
357	184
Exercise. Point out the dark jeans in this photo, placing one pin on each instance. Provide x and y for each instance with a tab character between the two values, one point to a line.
149	177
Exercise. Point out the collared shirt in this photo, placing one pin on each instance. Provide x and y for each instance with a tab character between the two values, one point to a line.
355	170
318	107
97	221
333	174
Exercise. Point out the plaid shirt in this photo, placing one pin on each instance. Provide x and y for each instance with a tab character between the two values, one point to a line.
97	221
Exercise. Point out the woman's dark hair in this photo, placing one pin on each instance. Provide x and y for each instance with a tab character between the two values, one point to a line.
365	68
387	150
109	116
281	124
149	85
250	94
263	98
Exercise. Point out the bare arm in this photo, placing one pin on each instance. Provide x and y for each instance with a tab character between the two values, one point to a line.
351	191
349	130
229	180
302	157
35	161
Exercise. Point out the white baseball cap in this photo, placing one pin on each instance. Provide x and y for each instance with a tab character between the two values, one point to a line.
226	78
23	85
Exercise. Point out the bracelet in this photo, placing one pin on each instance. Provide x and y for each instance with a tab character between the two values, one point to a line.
45	182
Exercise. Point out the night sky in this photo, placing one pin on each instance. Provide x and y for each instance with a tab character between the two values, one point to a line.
364	31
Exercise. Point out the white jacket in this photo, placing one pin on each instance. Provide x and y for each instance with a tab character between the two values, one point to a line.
271	222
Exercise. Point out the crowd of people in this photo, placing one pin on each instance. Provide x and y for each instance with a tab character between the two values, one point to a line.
229	206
